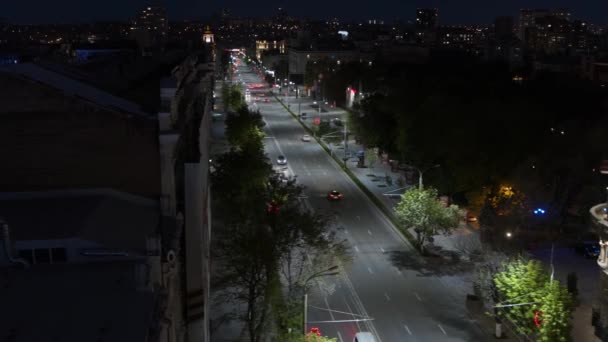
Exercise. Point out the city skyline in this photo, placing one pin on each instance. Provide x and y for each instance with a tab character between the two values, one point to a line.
464	12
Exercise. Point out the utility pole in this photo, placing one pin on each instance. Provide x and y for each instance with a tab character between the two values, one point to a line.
328	272
345	144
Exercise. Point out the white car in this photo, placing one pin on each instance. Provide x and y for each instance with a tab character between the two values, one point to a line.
364	337
306	137
281	160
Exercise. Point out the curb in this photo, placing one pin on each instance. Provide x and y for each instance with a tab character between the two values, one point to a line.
386	211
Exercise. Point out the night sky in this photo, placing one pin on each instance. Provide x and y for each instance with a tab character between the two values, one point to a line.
450	11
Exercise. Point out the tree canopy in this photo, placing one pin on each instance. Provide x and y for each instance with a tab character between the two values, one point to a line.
268	242
535	304
422	210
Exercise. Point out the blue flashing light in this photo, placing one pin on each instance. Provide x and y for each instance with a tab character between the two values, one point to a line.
539	211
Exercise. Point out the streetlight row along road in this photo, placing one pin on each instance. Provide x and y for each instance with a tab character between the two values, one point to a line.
405	305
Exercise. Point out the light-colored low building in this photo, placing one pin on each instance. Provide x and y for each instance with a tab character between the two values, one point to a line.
599	222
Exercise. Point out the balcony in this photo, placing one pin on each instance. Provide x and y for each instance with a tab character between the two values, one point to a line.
599	220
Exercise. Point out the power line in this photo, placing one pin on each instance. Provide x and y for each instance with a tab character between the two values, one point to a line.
337	311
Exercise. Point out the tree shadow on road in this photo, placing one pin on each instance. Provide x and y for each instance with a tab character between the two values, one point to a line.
437	263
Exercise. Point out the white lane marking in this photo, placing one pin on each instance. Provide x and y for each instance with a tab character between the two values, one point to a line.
356	299
440	327
356	249
382	249
370	270
331	314
407	329
387	297
417	296
351	310
369	232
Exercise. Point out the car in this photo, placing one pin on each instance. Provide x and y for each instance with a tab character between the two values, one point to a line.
364	337
591	251
303	116
266	100
281	160
337	122
334	195
306	137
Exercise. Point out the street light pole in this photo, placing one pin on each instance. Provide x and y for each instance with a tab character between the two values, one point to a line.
345	144
328	272
421	173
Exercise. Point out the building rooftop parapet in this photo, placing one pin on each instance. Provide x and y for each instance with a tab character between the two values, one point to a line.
600	215
74	87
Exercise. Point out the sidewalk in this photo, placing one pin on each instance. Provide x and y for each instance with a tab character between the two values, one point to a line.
374	179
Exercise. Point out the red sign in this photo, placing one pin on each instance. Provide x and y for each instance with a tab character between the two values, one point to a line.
317	120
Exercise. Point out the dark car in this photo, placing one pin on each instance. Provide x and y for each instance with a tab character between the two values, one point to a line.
334	195
591	251
303	116
587	249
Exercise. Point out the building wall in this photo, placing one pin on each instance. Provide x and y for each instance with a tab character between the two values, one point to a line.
50	140
299	58
191	119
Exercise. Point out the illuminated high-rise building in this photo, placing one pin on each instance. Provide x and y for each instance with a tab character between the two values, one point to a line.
427	19
427	23
150	27
544	30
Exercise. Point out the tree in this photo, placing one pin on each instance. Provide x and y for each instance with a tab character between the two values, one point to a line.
555	314
490	265
232	97
521	282
245	255
421	209
310	337
547	305
237	179
371	156
257	246
244	127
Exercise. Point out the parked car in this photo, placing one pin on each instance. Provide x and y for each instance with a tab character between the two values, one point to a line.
306	137
303	116
591	251
364	337
587	249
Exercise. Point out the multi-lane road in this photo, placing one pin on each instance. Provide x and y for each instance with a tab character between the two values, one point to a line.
404	305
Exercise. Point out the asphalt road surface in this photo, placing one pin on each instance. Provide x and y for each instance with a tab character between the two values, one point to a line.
404	305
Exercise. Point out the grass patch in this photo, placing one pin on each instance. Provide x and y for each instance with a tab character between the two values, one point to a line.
388	212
